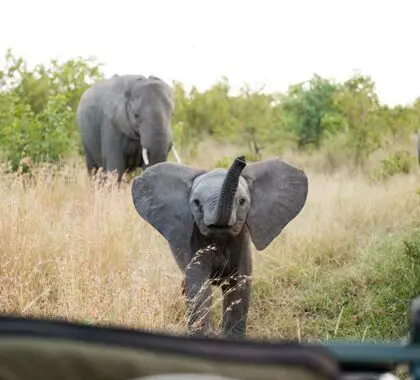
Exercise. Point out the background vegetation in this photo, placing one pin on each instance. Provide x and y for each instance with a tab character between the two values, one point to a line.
348	266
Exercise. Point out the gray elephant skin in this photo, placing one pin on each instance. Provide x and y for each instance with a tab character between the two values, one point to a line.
223	209
124	123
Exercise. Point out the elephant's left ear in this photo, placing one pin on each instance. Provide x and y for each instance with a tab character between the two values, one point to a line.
161	197
278	193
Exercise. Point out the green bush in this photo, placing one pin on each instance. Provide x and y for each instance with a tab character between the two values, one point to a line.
313	115
223	162
45	137
226	161
37	109
402	161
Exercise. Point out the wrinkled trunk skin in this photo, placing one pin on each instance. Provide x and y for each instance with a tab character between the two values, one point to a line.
227	192
157	154
156	147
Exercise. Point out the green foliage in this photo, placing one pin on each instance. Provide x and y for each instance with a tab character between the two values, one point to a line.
254	119
359	105
226	161
35	87
399	121
199	114
345	120
37	108
223	162
392	293
310	112
402	161
43	137
375	299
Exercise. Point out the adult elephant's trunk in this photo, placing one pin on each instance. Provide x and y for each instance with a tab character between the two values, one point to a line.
155	156
154	150
227	193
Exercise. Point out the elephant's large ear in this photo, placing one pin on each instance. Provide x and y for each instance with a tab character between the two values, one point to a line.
278	194
129	84
161	197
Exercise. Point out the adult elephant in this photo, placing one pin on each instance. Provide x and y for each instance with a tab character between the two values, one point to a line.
125	122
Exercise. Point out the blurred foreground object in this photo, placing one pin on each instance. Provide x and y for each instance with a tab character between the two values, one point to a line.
45	349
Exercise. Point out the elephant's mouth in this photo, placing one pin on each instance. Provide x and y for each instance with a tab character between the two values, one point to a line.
216	230
219	228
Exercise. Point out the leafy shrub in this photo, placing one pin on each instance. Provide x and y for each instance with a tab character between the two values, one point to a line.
344	121
402	161
226	161
37	109
223	162
45	137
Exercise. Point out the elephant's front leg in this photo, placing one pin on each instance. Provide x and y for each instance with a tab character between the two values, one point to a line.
199	298
115	162
112	151
236	300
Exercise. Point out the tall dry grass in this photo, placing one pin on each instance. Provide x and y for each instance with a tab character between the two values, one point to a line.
72	250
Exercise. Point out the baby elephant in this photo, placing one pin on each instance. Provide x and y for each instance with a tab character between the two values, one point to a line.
222	209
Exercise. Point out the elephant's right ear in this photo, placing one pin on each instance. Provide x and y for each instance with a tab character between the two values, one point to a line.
161	197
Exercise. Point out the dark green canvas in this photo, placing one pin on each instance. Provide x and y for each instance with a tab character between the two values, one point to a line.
33	349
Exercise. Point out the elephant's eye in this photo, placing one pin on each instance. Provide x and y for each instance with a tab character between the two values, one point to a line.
242	201
136	115
196	202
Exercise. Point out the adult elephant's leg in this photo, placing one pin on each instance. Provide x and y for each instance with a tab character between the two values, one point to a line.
91	164
115	162
112	151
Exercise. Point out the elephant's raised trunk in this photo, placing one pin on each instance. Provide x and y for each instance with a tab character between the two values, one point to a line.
227	192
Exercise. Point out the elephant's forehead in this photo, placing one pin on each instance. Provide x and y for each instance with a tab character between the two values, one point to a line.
212	182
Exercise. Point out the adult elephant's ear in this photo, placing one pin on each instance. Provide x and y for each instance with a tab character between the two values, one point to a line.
278	193
129	85
160	196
